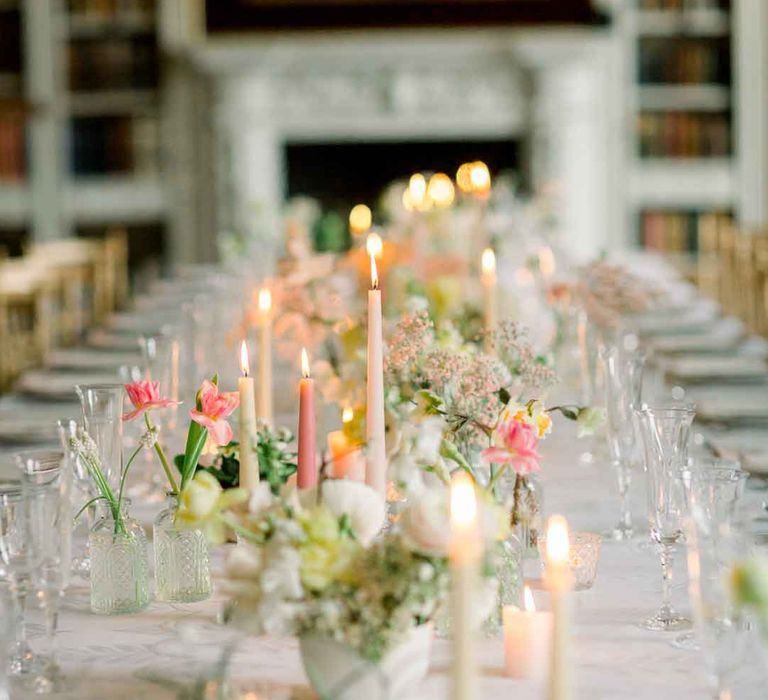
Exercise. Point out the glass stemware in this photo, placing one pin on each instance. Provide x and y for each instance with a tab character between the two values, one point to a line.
46	485
18	558
83	491
712	489
102	406
666	433
623	386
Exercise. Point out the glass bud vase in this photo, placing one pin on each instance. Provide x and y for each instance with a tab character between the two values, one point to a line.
526	514
119	564
507	564
182	569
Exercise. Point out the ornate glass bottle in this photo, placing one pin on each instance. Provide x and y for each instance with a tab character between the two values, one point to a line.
182	569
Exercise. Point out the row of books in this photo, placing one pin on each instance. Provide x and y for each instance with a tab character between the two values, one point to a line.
672	230
114	145
684	4
114	64
683	135
661	60
112	10
12	147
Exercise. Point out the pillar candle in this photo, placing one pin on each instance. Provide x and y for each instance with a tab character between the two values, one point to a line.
264	410
465	553
527	639
249	464
488	279
559	581
306	476
376	456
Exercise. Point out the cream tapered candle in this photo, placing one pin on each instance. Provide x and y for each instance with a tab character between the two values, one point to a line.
264	410
465	553
559	581
376	456
249	464
490	291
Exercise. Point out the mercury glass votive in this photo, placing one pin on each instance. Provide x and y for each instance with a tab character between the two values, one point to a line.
584	555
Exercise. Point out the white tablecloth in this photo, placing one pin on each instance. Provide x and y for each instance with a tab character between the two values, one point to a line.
142	656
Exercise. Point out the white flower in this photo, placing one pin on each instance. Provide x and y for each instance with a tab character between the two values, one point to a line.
260	498
414	304
589	420
363	505
426	523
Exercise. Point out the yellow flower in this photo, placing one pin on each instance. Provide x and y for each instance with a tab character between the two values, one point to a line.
543	424
323	563
201	503
320	525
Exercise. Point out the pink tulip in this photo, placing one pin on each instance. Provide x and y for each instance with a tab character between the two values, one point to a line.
145	396
215	406
514	443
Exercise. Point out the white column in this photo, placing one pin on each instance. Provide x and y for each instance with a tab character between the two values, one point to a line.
249	164
750	67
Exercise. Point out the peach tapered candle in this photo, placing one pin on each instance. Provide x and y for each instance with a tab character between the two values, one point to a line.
306	476
264	409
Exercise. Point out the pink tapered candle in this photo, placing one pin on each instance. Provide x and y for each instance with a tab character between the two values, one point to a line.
376	456
306	476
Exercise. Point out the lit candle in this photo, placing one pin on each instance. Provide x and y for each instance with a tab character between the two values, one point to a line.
441	191
306	476
376	456
465	553
347	457
559	581
264	396
546	263
488	279
249	465
527	635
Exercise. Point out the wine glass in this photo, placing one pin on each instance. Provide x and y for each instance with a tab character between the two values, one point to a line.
18	558
623	385
666	433
712	489
46	486
102	406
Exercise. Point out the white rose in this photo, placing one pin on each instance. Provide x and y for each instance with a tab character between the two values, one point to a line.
426	523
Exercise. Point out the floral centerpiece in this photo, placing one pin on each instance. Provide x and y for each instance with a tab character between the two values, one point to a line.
313	564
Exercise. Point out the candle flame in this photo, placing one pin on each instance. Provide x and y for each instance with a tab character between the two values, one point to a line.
463	501
530	606
265	300
558	548
440	190
244	365
488	262
374	274
305	364
347	414
480	177
360	219
546	262
374	245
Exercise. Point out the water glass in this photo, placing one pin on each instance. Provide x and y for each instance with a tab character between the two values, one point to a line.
102	406
666	434
623	370
18	558
46	486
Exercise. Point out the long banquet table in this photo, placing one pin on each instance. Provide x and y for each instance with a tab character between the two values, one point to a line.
144	655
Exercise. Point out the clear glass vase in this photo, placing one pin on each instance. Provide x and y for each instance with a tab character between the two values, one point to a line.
182	569
119	564
508	572
526	513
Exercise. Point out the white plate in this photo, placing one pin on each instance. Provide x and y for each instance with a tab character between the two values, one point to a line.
725	334
106	340
88	358
56	385
700	315
698	367
750	446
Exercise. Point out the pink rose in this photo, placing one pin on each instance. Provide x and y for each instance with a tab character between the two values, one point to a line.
514	443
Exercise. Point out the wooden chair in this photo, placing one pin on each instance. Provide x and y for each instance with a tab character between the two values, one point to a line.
707	265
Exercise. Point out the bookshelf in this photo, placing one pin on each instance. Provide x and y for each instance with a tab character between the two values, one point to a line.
682	155
81	120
